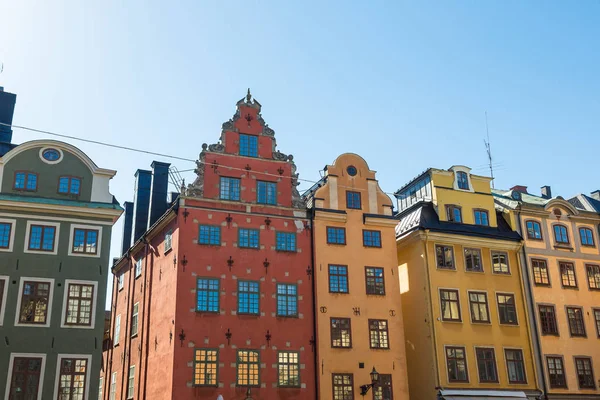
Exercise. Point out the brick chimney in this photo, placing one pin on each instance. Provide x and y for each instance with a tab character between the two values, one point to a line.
519	188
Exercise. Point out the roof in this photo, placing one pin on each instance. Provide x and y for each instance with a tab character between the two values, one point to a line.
424	216
585	202
527	198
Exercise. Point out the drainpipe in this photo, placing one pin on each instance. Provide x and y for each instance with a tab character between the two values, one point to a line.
141	330
537	347
314	300
435	359
149	291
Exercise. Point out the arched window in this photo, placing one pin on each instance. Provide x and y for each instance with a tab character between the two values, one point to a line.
462	180
534	230
587	237
560	234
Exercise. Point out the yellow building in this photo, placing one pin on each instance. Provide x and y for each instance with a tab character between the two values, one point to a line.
358	306
562	261
466	322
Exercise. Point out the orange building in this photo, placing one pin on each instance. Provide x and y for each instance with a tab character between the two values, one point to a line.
358	310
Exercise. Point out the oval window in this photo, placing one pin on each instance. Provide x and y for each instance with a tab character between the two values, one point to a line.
351	170
51	154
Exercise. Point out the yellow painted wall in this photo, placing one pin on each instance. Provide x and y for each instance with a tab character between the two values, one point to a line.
356	257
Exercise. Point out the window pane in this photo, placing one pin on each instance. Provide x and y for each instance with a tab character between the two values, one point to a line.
338	279
230	189
5	229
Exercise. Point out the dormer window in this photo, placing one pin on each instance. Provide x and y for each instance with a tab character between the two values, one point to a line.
453	213
463	180
69	185
26	181
248	145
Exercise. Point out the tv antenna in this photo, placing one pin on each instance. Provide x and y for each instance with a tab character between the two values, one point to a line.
488	149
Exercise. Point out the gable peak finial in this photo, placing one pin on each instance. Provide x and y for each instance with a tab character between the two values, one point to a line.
248	96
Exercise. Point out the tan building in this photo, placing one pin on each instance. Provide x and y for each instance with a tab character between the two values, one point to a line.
358	308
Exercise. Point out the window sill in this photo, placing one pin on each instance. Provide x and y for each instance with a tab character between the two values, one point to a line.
134	336
509	324
337	244
208	312
445	269
167	251
502	273
563	246
475	271
482	323
210	244
451	321
571	287
248	248
138	276
589	246
542	285
286	251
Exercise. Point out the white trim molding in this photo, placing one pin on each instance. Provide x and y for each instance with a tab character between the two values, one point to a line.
63	314
49	305
56	237
60	152
11	239
10	371
3	297
461	168
88	368
72	237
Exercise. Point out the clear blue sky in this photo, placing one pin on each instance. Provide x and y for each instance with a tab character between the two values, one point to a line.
404	84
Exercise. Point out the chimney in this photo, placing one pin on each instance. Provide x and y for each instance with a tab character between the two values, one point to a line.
174	196
595	195
546	192
141	202
7	109
160	186
519	188
127	225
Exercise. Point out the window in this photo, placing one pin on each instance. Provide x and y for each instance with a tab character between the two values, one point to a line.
378	333
548	320
41	238
500	262
450	305
481	218
343	386
209	234
130	382
80	299
120	282
266	192
567	275
287	300
5	234
134	320
138	267
100	387
341	334
556	372
3	290
540	272
353	200
229	189
69	185
457	364
587	237
34	303
85	241
462	180
515	366
113	386
585	374
248	294
169	240
248	364
597	319
473	260
593	274
207	295
371	238
445	256
25	378
560	234
26	181
336	235
507	310
117	330
534	230
479	307
375	280
486	364
286	241
453	213
71	383
248	238
383	389
205	367
288	369
248	145
338	279
576	324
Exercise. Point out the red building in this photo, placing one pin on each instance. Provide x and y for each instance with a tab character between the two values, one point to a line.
214	297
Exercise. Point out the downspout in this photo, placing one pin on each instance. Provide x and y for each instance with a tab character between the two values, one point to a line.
435	359
314	301
127	342
113	317
149	288
141	329
533	320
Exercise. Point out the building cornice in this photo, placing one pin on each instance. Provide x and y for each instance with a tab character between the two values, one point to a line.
432	236
60	209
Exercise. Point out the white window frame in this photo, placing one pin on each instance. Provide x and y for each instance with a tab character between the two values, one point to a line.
56	237
168	234
137	319
120	279
112	394
4	295
72	237
10	371
88	357
460	168
63	314
129	377
11	239
100	388
117	330
20	297
135	267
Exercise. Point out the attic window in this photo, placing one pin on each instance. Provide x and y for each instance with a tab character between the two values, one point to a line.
352	171
462	180
51	154
557	212
516	195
